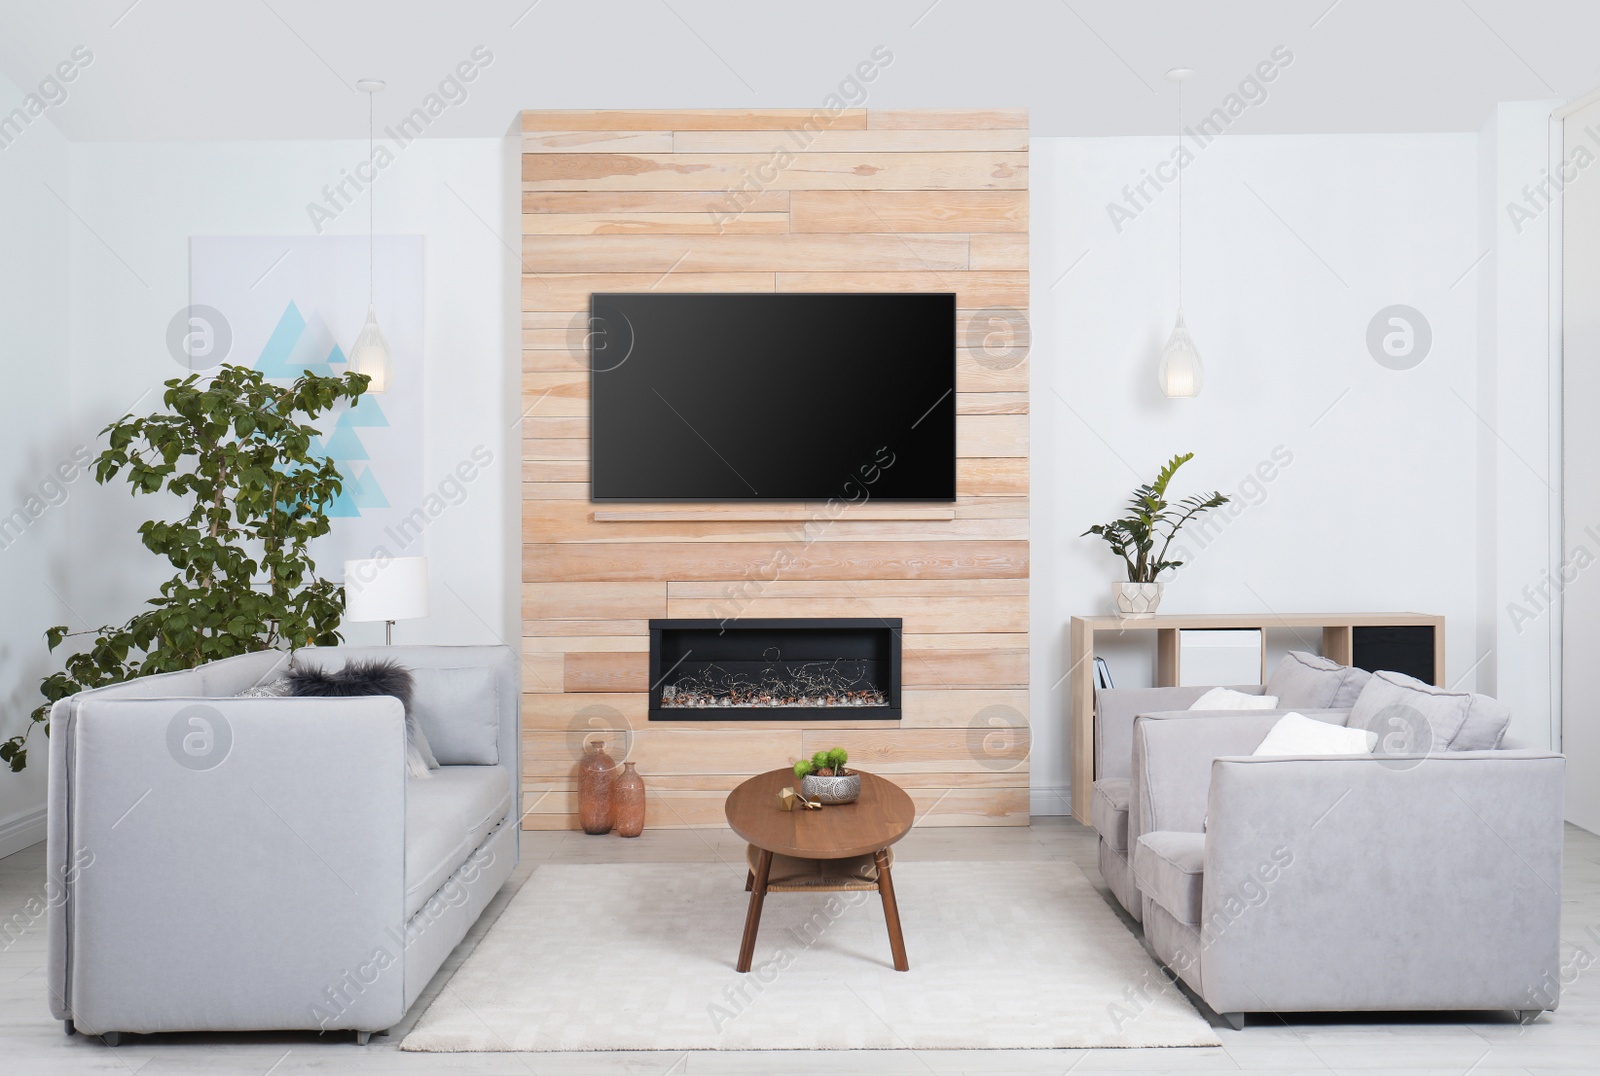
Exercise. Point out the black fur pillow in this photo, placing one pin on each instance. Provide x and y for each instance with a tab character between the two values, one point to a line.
376	676
373	676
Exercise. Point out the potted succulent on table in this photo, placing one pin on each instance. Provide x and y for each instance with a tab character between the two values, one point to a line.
1134	538
824	779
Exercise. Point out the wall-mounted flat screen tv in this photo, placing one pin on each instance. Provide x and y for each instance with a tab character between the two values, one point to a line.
799	397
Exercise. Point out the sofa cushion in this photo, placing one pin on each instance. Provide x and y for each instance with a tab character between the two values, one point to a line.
447	817
1457	720
1226	698
1108	811
1170	868
460	713
459	709
1309	681
1297	734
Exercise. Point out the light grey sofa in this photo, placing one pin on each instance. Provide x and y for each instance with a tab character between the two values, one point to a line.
1346	883
231	864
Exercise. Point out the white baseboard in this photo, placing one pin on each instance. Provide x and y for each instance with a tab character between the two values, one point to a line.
1050	801
22	831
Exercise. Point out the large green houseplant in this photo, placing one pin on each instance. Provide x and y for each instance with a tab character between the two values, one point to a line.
237	450
1151	518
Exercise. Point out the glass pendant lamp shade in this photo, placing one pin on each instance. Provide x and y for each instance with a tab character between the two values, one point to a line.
370	354
1181	373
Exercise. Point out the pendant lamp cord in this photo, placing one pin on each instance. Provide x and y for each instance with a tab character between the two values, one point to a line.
1180	196
372	193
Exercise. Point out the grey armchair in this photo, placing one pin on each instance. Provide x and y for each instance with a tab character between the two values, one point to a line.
1346	883
1113	806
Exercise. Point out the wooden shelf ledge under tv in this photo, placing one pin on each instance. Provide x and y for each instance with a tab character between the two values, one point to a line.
759	513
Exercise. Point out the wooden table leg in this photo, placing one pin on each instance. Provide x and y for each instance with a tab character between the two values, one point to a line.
891	912
752	919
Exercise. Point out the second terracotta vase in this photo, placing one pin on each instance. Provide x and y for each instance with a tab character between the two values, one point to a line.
627	799
597	775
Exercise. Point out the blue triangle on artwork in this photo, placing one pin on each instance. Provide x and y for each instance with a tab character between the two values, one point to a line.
274	358
365	492
343	506
366	412
345	444
336	356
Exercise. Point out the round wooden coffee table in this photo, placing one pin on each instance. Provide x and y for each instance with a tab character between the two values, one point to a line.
845	847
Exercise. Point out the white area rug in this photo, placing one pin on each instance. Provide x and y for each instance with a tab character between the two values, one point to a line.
640	957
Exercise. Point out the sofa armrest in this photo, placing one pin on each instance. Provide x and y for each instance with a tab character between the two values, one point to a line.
228	863
1354	882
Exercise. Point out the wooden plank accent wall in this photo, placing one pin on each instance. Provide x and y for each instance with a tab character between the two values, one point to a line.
777	201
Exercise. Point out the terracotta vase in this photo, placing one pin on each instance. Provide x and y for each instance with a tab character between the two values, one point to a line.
597	776
628	799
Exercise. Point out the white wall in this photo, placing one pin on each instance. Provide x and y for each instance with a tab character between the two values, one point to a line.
1580	695
1518	473
130	275
1292	245
34	440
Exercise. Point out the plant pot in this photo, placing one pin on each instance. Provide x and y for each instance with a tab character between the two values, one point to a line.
831	791
1136	601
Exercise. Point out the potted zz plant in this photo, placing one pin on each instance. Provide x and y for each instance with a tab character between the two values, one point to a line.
823	778
1151	519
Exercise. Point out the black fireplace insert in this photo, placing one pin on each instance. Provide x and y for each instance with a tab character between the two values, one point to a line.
775	670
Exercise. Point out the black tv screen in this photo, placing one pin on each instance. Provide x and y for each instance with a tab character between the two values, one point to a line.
700	397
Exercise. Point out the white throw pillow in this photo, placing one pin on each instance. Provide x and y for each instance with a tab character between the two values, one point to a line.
1225	698
1297	734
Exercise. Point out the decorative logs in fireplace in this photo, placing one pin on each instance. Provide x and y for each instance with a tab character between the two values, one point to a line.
773	670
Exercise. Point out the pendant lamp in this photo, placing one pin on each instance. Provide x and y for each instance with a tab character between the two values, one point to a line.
370	353
1181	373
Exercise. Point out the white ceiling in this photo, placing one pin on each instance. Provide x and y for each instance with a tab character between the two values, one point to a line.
271	69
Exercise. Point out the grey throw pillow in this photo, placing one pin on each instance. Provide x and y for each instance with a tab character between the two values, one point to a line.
1457	720
1304	681
459	709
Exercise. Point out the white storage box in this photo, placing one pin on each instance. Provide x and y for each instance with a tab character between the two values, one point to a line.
1210	657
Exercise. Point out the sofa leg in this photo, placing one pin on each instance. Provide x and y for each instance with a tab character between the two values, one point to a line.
363	1037
1234	1020
111	1038
66	1025
1527	1016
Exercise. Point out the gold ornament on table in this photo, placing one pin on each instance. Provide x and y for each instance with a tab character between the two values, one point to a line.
788	799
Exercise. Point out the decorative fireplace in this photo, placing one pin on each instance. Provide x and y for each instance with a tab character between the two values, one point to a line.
775	670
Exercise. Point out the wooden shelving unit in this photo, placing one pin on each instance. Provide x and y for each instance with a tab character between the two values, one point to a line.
1338	631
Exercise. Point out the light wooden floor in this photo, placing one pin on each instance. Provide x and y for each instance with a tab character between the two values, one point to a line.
1567	1041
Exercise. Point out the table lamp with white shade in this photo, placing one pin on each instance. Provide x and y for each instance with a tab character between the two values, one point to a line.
386	589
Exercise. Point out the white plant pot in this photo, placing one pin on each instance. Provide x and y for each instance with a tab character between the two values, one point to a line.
1137	600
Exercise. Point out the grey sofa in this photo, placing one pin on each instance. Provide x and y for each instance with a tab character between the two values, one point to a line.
232	863
1347	883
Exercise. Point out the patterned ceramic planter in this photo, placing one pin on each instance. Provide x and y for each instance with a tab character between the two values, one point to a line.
831	791
1137	600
